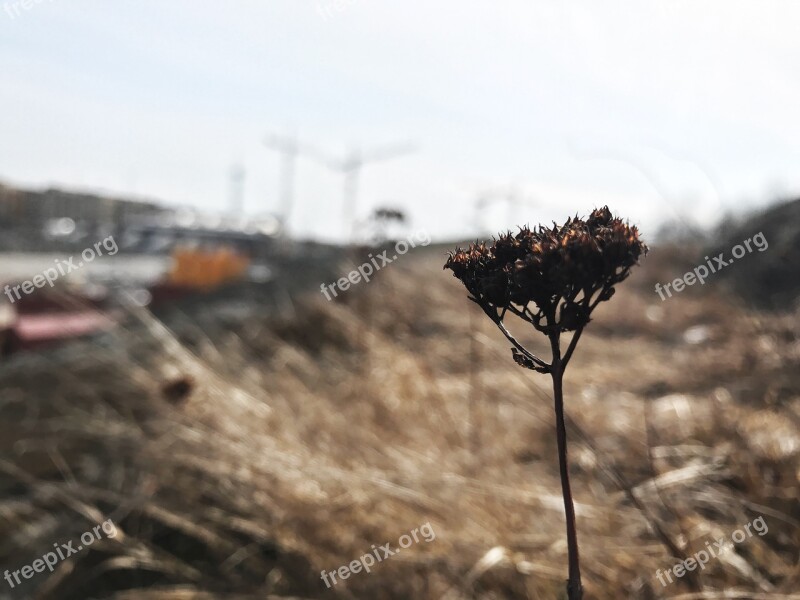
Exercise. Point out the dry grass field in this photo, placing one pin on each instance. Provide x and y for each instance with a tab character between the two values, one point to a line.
239	456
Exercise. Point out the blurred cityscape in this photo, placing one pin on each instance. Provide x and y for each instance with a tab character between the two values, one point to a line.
155	255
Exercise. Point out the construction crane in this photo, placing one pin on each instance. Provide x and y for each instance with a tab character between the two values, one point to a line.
509	194
350	166
289	147
237	175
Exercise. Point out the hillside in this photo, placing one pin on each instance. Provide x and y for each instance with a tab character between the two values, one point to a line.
241	453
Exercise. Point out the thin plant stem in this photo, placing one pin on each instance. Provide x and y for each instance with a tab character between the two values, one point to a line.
574	587
535	359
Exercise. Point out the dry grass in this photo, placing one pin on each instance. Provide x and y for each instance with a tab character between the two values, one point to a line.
318	429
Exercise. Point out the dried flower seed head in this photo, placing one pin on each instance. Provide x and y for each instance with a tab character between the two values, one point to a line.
552	278
564	271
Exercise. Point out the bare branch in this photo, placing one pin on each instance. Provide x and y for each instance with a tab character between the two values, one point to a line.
535	359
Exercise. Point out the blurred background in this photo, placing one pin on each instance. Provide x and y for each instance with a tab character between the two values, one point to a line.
179	182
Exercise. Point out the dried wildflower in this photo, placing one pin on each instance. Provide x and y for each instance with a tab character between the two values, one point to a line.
563	271
552	278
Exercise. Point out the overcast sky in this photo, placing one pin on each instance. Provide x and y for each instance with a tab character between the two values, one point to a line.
657	108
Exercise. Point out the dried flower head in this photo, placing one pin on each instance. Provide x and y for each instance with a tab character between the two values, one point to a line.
552	278
563	271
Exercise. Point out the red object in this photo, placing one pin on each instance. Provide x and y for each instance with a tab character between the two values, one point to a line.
42	319
33	328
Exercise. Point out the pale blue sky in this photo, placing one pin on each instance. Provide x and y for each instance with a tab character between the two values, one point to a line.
656	108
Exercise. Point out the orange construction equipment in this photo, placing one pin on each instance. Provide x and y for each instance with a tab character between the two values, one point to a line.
206	269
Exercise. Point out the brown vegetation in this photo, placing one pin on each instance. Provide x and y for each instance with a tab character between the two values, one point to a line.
317	429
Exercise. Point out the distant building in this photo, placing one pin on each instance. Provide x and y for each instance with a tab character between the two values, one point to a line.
56	220
34	208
